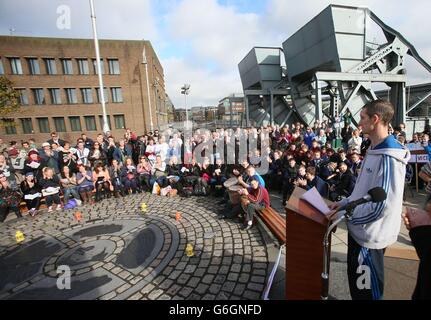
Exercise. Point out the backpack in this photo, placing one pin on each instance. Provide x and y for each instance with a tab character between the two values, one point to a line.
199	190
187	192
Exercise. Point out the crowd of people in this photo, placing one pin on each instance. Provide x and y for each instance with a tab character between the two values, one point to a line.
89	170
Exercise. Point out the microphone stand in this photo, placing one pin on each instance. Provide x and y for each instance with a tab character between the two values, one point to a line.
325	273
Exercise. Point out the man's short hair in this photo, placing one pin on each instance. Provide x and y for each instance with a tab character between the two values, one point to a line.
384	109
311	170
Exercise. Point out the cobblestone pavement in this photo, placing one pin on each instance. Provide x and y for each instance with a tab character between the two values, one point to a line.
118	252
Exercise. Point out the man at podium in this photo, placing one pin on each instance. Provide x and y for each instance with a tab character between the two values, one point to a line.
374	226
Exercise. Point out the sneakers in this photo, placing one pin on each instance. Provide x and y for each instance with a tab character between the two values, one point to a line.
59	207
32	212
247	227
50	209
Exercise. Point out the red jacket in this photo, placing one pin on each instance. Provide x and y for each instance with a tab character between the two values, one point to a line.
259	195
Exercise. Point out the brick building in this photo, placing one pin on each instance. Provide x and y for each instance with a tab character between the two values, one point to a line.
59	88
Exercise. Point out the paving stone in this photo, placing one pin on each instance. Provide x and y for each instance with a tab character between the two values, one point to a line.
208	279
261	272
166	284
200	272
201	289
252	295
228	286
255	286
123	288
243	278
232	276
173	290
136	296
185	292
236	267
147	289
108	296
257	279
182	279
175	274
153	295
222	296
213	269
239	289
193	282
219	279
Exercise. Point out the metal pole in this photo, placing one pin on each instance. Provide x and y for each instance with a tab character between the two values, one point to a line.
247	119
145	62
230	108
325	272
99	69
185	106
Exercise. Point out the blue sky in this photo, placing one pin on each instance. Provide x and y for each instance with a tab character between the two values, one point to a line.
202	41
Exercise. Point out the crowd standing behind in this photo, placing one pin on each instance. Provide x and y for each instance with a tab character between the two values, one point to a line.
65	173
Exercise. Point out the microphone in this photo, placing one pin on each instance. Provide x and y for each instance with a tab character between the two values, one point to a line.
376	194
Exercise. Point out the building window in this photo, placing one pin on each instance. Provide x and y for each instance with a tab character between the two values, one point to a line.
39	96
60	125
55	95
23	97
119	121
114	66
67	66
117	95
71	96
90	123
33	65
43	125
10	129
83	66
1	67
51	67
75	123
10	126
87	95
106	94
27	125
15	65
102	66
101	121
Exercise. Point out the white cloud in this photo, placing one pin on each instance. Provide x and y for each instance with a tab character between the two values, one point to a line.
216	36
206	89
115	19
217	33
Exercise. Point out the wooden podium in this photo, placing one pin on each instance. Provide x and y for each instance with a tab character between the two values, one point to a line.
306	227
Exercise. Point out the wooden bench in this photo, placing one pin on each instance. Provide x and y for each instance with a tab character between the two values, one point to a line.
274	221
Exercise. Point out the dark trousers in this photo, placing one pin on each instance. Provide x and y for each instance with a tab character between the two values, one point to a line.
33	203
365	270
54	198
287	190
144	181
4	211
251	209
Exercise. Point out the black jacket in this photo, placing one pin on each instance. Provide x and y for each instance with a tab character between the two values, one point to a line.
421	239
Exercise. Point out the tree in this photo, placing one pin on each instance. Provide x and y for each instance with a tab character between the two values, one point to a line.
9	100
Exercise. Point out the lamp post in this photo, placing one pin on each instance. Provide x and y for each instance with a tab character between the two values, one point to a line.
145	62
156	94
99	69
185	91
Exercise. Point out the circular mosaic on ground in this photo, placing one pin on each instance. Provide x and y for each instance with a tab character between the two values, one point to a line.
118	252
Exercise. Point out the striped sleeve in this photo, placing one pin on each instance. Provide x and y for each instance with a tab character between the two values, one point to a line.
375	209
427	169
